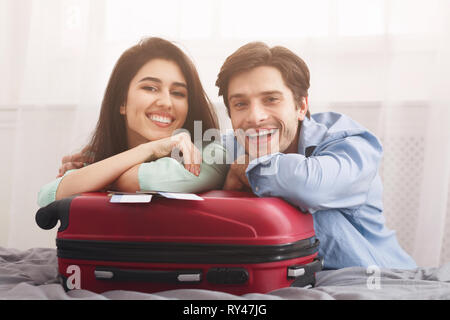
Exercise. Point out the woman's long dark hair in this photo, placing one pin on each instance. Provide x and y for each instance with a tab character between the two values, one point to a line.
110	135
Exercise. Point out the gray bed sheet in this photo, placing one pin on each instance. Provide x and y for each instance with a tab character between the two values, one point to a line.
32	274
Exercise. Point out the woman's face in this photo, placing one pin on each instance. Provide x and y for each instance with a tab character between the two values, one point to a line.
157	102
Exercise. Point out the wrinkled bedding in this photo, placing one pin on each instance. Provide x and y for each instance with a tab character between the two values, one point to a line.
32	274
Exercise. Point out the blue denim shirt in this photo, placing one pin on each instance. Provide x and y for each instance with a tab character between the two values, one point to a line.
334	176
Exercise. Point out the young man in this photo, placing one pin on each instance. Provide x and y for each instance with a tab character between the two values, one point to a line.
325	164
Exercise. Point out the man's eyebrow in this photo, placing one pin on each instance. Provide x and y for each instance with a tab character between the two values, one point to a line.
236	96
178	84
263	93
266	93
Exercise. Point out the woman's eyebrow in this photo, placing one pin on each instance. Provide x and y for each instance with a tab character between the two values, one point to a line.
150	79
178	84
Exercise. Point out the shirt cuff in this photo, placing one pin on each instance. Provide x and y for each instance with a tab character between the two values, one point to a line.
47	194
262	166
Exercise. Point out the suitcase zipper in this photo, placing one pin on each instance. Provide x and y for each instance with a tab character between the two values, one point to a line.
168	252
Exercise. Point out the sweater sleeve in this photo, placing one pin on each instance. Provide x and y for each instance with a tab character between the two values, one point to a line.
167	174
47	194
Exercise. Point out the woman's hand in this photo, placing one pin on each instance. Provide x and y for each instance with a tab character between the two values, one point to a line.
172	146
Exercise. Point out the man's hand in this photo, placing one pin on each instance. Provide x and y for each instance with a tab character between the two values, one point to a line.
73	161
236	178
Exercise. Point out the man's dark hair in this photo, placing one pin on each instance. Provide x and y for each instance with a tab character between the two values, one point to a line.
293	69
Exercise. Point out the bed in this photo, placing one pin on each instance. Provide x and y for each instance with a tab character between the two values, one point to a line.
32	274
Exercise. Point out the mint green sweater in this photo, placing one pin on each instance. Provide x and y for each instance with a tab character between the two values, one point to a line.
167	174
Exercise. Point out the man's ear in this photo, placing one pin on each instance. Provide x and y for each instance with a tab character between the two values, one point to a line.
123	110
302	108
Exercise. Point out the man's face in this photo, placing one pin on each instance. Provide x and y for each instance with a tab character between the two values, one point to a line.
263	112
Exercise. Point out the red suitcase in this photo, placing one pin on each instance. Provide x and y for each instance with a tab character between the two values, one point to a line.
233	242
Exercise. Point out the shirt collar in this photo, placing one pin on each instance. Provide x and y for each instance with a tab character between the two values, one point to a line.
311	134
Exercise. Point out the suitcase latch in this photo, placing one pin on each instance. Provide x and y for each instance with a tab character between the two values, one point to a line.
227	275
296	271
186	277
148	275
305	269
304	275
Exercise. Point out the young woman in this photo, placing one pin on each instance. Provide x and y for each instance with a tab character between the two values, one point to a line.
153	90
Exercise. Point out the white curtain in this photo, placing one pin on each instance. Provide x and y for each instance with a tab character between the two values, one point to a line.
383	62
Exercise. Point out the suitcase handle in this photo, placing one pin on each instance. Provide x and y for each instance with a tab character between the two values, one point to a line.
47	217
154	276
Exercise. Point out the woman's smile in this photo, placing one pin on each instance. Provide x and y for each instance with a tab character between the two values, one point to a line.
162	120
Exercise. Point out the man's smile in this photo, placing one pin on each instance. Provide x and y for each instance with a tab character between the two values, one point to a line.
260	136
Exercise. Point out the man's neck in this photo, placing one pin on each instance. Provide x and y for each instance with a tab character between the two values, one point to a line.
293	147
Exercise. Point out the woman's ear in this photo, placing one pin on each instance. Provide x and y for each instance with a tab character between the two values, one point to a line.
303	108
123	110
